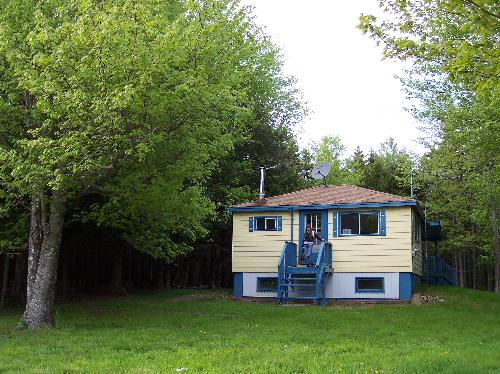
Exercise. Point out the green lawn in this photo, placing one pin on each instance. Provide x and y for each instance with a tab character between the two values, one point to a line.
207	332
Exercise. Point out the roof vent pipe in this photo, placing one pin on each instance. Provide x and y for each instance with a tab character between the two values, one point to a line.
261	188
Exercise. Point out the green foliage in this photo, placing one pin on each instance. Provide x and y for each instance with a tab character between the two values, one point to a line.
454	53
387	169
330	149
205	332
13	228
133	105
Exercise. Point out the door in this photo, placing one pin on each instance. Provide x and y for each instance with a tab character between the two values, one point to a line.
318	219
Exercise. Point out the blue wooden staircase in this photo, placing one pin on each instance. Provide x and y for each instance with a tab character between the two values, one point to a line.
297	282
438	271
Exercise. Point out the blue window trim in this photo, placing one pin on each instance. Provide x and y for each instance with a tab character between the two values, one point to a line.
361	290
337	218
302	224
252	224
261	289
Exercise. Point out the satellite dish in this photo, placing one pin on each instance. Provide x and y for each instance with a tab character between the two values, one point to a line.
321	171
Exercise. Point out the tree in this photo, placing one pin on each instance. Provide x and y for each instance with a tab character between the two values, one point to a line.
330	149
355	166
389	169
453	48
128	99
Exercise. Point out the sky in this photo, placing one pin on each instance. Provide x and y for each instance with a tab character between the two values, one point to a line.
350	91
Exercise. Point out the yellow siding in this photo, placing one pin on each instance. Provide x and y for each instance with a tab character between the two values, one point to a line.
390	253
259	251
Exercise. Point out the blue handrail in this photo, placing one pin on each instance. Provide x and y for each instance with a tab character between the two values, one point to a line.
287	266
288	257
324	255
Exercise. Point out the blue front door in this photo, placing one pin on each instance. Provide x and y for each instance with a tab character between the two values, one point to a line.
318	219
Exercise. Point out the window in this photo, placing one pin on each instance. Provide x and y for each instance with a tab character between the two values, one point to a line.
267	284
362	223
369	285
417	229
265	223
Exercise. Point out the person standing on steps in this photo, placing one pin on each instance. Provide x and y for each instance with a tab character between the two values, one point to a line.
309	236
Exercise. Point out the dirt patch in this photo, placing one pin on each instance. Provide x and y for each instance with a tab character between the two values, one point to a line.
419	299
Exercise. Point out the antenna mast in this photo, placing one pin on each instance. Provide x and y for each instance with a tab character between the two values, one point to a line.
261	187
411	184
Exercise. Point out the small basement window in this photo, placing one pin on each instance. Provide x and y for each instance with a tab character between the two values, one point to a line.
267	284
363	223
266	223
369	285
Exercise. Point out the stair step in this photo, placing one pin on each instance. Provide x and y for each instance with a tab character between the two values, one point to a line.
301	278
302	270
302	298
301	291
300	284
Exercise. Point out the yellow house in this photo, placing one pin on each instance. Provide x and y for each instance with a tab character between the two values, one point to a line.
368	245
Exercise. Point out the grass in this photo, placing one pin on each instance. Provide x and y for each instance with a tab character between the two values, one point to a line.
207	332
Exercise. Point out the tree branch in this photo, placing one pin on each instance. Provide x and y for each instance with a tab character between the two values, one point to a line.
473	3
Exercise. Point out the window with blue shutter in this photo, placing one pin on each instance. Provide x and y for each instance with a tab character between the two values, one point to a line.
362	223
267	223
382	222
250	224
335	224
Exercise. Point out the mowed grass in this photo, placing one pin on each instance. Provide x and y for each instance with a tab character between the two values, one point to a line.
207	332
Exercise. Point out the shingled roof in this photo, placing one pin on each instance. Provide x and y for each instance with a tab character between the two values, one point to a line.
327	195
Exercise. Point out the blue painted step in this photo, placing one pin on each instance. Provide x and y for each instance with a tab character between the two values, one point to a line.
307	281
302	270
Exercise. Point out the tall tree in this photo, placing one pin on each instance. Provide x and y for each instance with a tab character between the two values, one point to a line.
389	169
131	99
330	149
453	48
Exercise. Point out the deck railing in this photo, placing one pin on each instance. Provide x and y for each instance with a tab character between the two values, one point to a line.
288	257
324	259
324	255
435	267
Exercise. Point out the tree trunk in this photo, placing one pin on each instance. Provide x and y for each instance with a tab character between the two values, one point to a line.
34	244
474	269
496	234
212	270
5	280
461	270
64	280
42	288
195	271
116	286
185	274
160	274
19	276
167	275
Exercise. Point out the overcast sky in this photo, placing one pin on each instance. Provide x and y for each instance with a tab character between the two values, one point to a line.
350	91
